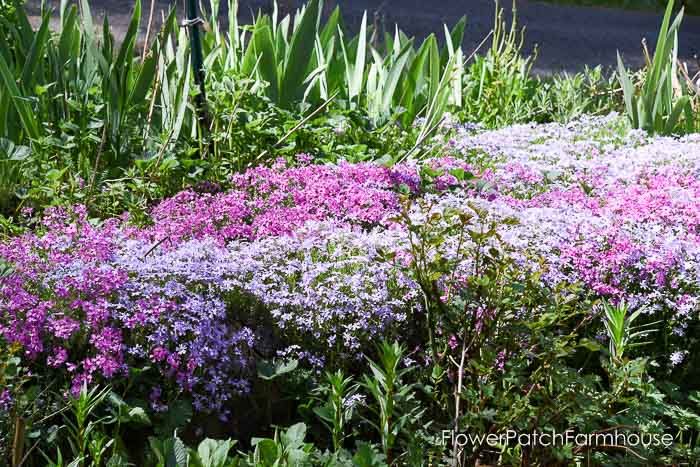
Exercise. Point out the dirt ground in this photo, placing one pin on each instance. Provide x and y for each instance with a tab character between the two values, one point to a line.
567	37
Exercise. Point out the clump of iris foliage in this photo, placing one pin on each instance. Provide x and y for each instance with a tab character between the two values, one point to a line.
354	244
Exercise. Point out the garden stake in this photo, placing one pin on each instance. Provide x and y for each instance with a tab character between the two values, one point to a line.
148	32
18	441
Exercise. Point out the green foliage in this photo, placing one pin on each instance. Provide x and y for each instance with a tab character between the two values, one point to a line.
172	452
336	410
117	131
169	452
565	97
8	7
662	104
212	453
395	404
84	436
621	333
500	89
72	99
363	76
12	158
287	447
279	53
495	369
499	85
269	370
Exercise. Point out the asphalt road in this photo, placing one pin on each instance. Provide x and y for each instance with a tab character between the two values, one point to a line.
567	37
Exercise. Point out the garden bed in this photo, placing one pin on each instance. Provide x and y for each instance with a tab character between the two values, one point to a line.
287	244
316	262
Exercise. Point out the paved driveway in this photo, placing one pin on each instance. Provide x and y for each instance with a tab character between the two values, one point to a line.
567	37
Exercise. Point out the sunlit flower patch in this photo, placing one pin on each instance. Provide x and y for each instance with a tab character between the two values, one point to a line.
310	260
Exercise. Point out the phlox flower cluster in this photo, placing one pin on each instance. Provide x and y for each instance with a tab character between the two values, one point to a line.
272	201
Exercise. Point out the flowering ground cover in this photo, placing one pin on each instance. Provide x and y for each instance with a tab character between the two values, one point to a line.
615	211
316	262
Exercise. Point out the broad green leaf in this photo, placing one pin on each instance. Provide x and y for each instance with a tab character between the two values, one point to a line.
176	455
144	80
395	73
355	72
299	55
214	453
294	436
266	452
627	92
674	117
35	55
453	39
69	42
331	27
412	97
260	57
269	370
26	114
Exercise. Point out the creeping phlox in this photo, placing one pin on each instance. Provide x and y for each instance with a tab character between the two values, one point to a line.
94	301
317	250
614	209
